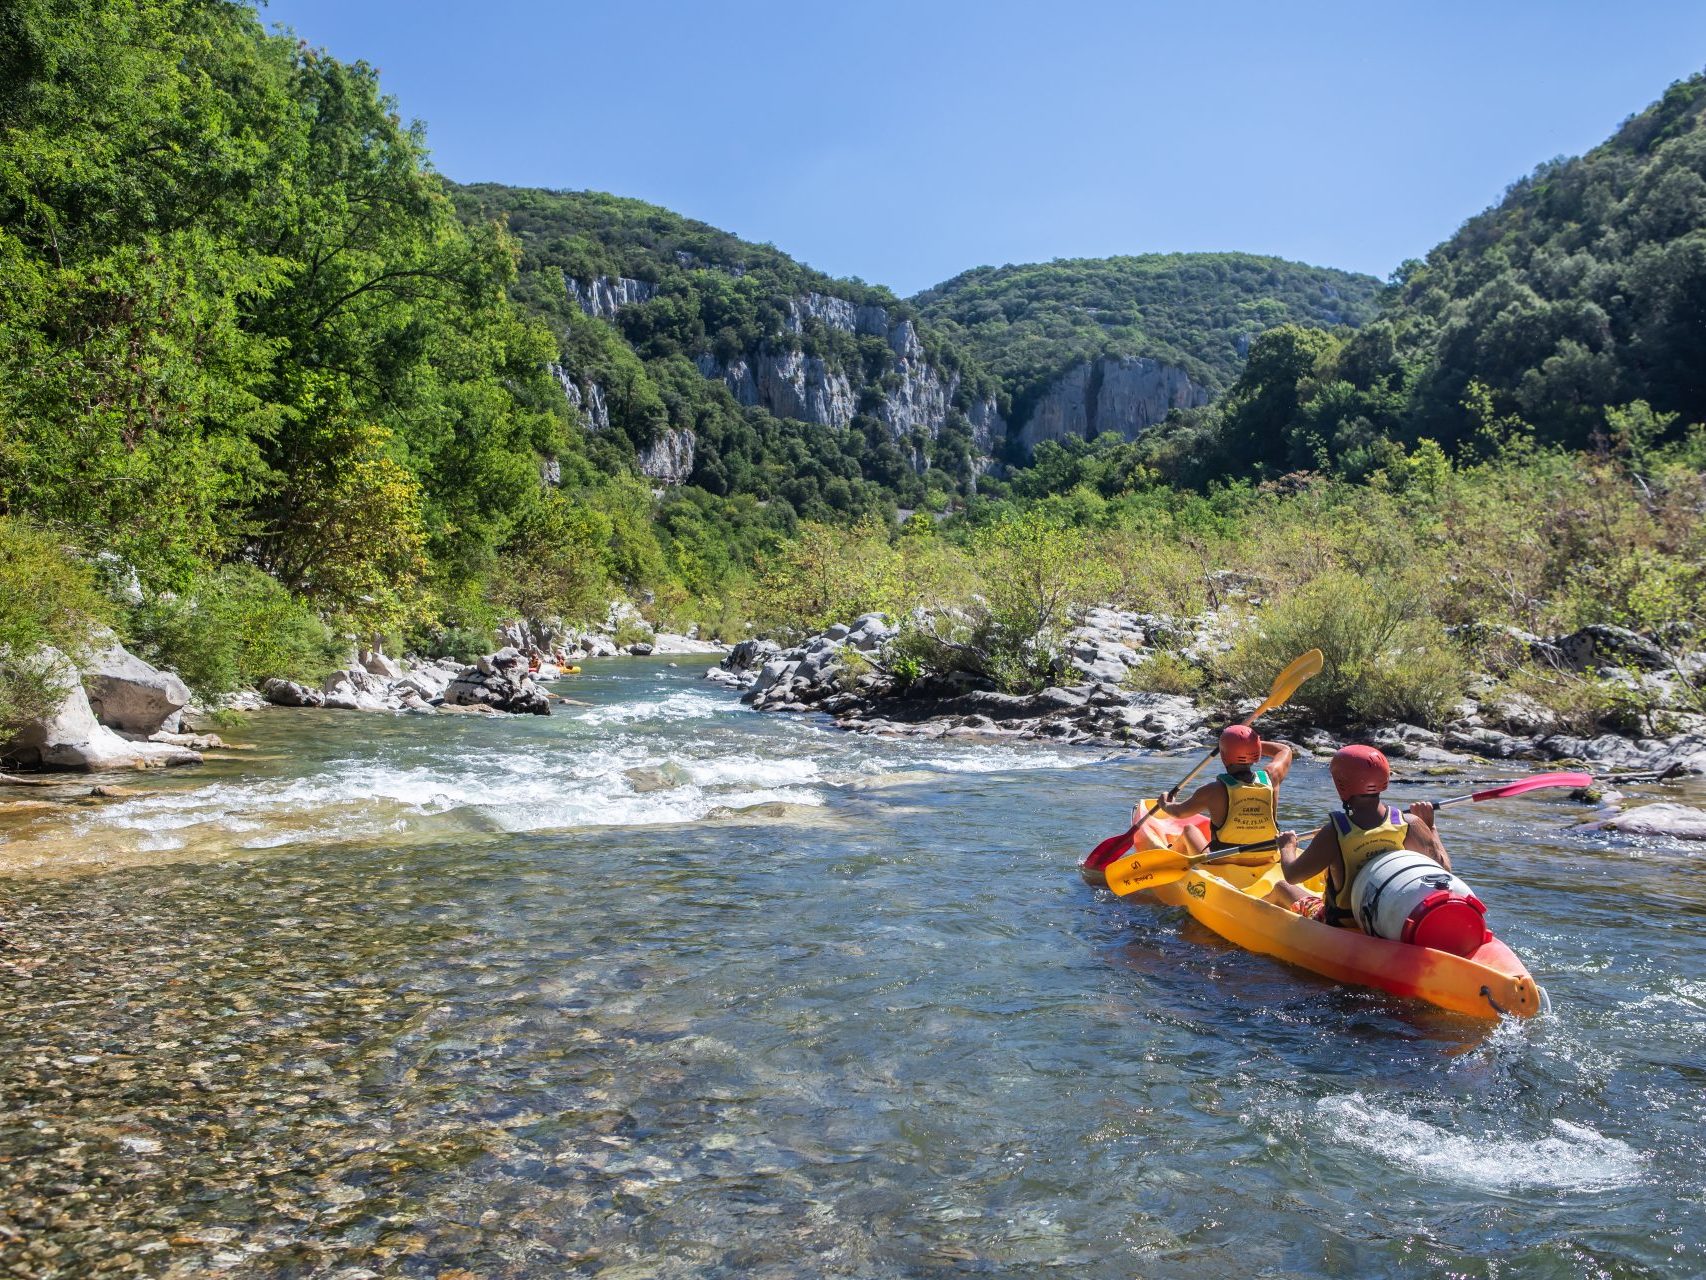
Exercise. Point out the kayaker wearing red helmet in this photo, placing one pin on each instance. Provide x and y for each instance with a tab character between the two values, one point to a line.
1241	804
1364	829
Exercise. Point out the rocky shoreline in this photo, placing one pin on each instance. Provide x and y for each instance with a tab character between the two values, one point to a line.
116	711
846	673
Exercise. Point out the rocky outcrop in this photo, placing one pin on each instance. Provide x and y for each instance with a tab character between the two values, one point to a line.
917	397
127	694
588	403
844	672
603	296
669	458
501	682
70	737
1099	697
1123	395
789	384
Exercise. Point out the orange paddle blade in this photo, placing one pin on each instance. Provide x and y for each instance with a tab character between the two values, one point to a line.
1146	869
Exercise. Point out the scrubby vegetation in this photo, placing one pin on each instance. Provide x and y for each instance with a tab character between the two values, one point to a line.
1410	582
49	596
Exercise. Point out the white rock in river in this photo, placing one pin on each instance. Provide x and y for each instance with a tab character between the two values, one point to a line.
70	737
127	693
1681	821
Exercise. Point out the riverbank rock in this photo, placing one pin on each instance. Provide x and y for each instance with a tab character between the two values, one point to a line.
287	693
499	681
843	672
668	642
127	694
354	689
1679	821
71	737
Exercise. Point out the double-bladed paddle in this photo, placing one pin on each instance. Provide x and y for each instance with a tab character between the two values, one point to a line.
1285	684
1150	868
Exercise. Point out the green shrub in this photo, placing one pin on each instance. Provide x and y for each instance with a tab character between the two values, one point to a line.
633	630
1580	704
1385	657
1164	672
464	643
236	627
47	597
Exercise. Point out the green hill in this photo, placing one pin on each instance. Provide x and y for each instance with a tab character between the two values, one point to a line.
1584	287
702	358
1030	325
1549	316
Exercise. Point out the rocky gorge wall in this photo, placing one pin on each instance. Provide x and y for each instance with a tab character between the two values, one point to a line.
1124	395
918	399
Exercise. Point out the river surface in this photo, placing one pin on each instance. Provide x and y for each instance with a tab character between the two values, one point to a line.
661	987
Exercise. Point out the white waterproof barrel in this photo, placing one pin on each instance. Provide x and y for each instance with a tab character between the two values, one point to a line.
1409	897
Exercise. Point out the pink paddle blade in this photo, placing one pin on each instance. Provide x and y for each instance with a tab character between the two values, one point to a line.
1110	850
1535	783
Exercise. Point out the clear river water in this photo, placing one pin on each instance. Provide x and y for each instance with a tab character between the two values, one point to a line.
658	986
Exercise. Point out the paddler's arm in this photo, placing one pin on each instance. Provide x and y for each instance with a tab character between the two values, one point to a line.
1199	801
1420	836
1280	753
1321	852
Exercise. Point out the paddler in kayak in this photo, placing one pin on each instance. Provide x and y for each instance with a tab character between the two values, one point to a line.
1242	803
1364	829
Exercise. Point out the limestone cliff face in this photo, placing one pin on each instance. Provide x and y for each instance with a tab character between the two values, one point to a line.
1124	395
917	401
669	458
589	403
917	397
604	296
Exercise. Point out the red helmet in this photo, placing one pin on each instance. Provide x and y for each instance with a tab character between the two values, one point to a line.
1359	771
1240	746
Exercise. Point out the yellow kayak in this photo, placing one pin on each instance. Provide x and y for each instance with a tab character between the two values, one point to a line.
1232	900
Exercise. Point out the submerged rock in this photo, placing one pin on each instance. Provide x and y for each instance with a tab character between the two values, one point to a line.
1680	821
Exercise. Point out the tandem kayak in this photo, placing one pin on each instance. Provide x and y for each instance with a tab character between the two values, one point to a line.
1231	900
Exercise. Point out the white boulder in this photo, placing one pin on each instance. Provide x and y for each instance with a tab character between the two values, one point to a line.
128	694
70	737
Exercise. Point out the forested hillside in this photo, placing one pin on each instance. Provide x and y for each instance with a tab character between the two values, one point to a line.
1192	312
1583	289
701	358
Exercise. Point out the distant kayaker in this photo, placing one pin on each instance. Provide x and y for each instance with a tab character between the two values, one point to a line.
1365	828
1242	803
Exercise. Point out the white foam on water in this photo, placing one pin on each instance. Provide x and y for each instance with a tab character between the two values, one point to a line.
1571	1158
730	770
995	759
672	708
536	789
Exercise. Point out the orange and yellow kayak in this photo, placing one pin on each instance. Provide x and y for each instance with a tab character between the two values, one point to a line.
1232	900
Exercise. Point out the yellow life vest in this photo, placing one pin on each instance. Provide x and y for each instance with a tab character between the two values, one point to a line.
1249	810
1356	846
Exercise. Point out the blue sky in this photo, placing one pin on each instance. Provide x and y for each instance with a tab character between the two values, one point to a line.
903	143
